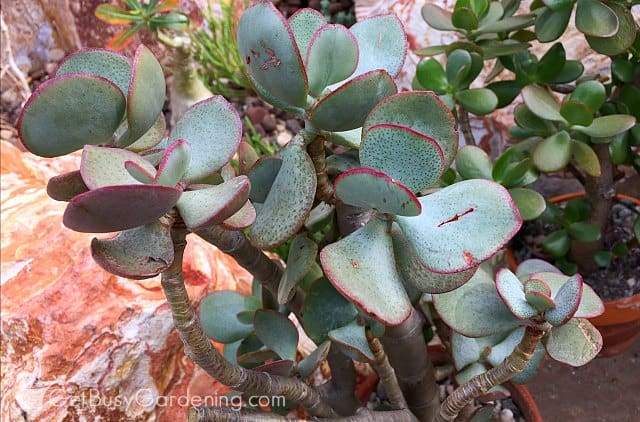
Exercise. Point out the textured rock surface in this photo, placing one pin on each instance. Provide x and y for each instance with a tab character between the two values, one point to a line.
77	341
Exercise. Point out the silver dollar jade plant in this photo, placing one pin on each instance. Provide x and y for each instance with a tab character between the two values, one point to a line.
374	240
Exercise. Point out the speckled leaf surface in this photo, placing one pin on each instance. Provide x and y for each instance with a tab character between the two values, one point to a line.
241	219
575	343
146	95
368	188
511	292
213	129
529	202
115	208
138	172
174	164
590	304
475	309
414	159
353	338
262	176
138	253
362	267
108	64
289	201
414	272
102	167
325	309
567	299
277	332
307	365
464	350
500	351
332	57
531	266
272	59
206	207
65	186
473	163
304	23
349	138
218	317
152	138
68	112
462	225
302	255
383	44
422	112
347	107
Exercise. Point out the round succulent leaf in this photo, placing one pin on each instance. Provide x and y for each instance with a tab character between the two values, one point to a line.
206	207
542	103
571	71
464	350
102	167
332	57
138	172
557	244
458	66
558	5
624	37
414	272
596	18
66	113
550	24
272	60
262	176
590	304
304	23
421	111
590	93
445	235
97	61
349	138
154	155
362	267
213	129
464	18
325	309
152	138
431	76
146	95
174	164
504	348
289	200
319	217
309	364
478	101
530	203
353	338
531	368
540	301
567	299
277	332
533	285
553	153
302	255
473	163
218	317
494	12
507	24
437	17
242	219
576	113
382	44
413	159
115	208
492	49
511	292
368	188
475	309
138	253
531	266
347	107
619	149
585	158
552	63
66	186
527	120
575	343
607	126
584	232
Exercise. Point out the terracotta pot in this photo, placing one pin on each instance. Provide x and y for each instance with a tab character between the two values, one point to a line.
519	393
620	322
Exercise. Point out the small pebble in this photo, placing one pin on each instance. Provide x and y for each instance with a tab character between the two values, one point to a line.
294	125
56	54
51	68
269	123
506	415
283	138
631	282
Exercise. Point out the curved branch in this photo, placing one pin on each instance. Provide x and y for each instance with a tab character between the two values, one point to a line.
201	351
465	126
223	414
387	374
324	191
480	384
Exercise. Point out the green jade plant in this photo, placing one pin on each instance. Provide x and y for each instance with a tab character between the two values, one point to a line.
371	233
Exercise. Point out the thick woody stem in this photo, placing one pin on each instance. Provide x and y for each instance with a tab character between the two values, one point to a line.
324	191
465	126
407	354
222	414
340	391
201	351
387	374
481	384
252	259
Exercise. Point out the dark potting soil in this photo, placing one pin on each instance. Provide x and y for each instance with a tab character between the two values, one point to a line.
621	278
